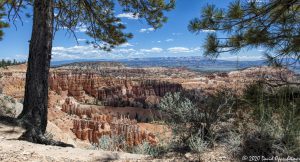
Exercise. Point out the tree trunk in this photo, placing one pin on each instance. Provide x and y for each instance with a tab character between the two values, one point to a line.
35	111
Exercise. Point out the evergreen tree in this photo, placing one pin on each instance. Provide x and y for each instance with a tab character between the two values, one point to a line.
3	24
273	25
101	23
8	63
5	63
2	62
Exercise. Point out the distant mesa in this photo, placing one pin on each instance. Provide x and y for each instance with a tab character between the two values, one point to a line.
91	65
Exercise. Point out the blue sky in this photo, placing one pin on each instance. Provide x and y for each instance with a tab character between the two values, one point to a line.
172	40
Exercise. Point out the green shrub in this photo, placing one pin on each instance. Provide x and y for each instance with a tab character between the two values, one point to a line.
114	143
143	148
146	148
197	144
118	143
192	113
277	113
234	142
181	115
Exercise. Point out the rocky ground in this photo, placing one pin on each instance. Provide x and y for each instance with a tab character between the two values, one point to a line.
12	150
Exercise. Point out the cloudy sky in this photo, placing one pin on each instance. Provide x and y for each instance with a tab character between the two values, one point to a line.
172	40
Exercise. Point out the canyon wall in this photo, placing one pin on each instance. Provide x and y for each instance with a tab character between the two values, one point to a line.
110	91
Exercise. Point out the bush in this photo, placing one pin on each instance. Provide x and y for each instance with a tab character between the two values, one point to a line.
277	113
197	144
114	143
118	143
146	148
181	115
193	112
234	143
257	144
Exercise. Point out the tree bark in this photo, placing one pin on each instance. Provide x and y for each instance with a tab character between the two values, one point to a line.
35	109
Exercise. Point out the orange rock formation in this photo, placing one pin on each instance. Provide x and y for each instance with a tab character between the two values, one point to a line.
112	91
92	125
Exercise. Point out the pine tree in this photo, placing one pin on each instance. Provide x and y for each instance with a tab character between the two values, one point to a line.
3	24
273	25
101	23
2	63
8	63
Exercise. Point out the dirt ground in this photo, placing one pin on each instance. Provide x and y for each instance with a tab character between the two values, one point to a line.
13	150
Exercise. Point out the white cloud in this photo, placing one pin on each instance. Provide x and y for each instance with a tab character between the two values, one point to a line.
64	56
176	34
81	40
21	57
89	52
261	50
146	30
128	16
126	45
152	50
124	23
130	50
183	49
169	40
178	49
208	31
225	49
81	28
75	52
156	41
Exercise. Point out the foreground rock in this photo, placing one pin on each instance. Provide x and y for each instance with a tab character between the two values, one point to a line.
12	150
9	106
